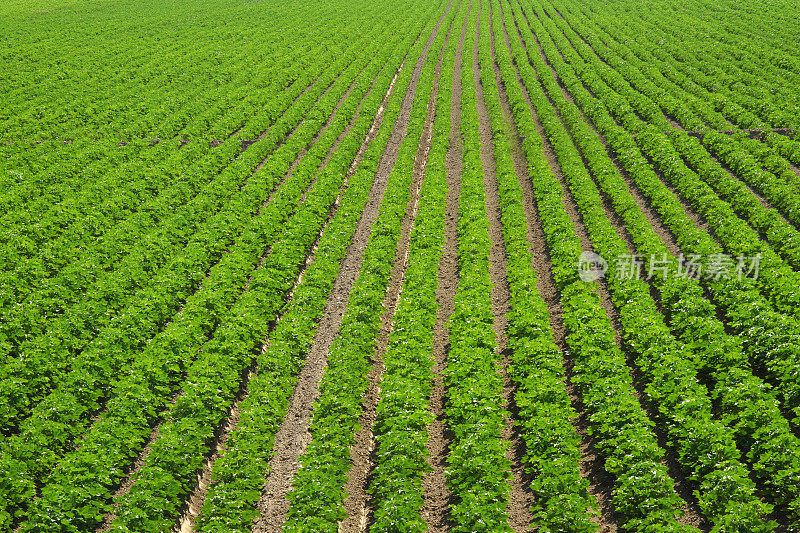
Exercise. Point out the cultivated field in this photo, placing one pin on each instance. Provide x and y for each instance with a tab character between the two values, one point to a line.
403	266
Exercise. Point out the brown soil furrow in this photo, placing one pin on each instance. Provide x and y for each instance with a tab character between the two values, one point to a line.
674	123
194	502
293	436
349	127
376	123
356	504
521	499
436	494
601	483
360	452
322	165
683	485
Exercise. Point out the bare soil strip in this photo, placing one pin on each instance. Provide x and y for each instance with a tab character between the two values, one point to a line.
436	495
293	436
521	498
591	464
194	503
356	504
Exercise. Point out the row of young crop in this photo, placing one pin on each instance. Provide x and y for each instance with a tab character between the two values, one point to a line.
121	204
51	254
667	363
91	90
776	180
623	434
771	344
707	95
478	471
81	260
318	488
206	308
74	175
239	474
400	431
748	405
755	86
163	483
129	255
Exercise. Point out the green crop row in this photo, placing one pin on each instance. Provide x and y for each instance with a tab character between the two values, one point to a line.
131	421
552	445
240	473
317	494
478	470
749	406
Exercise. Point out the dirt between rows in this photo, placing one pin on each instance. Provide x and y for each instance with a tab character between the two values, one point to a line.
361	452
521	499
293	436
436	494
